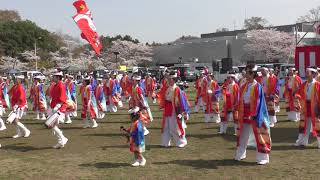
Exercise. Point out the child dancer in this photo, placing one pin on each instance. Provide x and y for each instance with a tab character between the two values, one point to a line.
135	135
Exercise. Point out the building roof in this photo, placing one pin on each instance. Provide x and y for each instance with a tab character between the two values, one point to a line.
302	27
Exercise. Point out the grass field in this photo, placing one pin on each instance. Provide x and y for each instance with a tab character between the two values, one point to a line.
102	153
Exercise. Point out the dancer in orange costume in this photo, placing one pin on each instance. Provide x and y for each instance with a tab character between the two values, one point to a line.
292	84
308	96
253	114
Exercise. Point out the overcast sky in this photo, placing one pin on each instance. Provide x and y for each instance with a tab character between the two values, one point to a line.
159	20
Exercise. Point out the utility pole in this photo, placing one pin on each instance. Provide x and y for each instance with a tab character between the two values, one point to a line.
116	53
180	60
35	53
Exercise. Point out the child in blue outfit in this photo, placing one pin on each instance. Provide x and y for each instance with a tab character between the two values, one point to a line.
135	136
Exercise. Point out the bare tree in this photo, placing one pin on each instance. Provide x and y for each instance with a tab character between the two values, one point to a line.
9	15
222	29
255	23
311	16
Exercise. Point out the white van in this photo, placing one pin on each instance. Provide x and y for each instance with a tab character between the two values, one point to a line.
221	76
31	74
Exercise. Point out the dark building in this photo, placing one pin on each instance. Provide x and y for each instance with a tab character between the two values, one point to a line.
205	50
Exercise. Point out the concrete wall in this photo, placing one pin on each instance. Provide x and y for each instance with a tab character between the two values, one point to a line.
205	50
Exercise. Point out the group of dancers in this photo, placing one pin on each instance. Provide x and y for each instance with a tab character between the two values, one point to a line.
250	103
58	104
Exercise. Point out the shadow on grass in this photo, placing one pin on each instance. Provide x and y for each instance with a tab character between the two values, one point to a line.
291	147
284	135
155	128
155	146
148	147
32	123
105	165
65	127
115	146
207	164
116	114
285	121
6	137
202	136
211	127
193	122
228	137
16	147
105	135
113	122
157	118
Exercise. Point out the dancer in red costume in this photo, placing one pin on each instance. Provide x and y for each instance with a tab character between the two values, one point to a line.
209	96
38	98
230	94
19	105
308	96
58	108
292	84
175	113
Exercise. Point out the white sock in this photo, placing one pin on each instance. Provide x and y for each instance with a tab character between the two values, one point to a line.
221	127
58	132
21	126
18	130
2	123
225	127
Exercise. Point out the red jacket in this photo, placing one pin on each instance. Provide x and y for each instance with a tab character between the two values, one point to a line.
2	100
150	85
108	86
58	94
136	98
18	95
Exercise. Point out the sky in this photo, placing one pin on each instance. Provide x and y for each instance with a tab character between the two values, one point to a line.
159	20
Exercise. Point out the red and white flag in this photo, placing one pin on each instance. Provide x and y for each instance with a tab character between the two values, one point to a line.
84	20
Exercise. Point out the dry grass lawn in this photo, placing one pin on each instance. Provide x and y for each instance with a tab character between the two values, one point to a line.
102	153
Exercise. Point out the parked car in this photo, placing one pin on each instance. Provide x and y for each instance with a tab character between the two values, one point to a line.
186	72
30	74
222	75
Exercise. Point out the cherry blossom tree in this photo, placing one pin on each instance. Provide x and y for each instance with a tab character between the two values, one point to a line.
78	57
130	54
269	45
